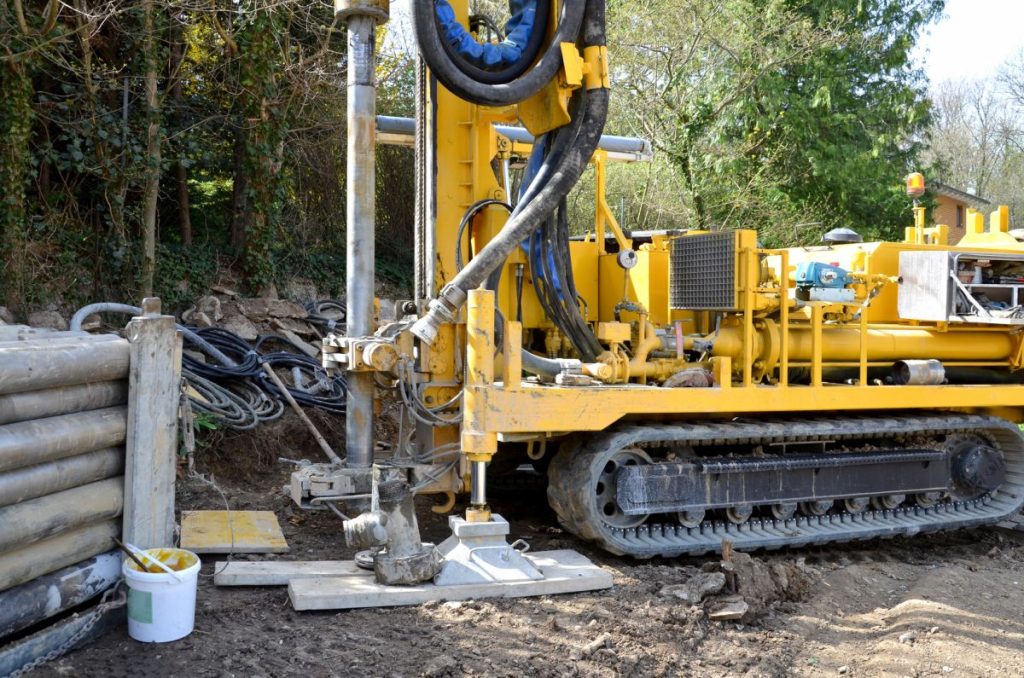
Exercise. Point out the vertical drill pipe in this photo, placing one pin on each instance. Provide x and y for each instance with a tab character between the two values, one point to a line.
360	177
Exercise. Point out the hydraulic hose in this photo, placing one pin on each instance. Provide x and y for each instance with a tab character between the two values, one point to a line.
523	222
126	309
546	367
235	392
453	75
467	218
568	157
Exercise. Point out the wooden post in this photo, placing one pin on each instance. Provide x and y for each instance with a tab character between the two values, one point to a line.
153	393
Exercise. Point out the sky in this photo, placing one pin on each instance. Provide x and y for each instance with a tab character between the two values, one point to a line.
972	40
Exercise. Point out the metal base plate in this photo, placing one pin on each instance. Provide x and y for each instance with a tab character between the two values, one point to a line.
477	553
563	571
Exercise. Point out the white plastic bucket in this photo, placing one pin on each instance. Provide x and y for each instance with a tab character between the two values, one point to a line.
160	607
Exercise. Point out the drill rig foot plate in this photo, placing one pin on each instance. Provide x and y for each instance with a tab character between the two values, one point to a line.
564	571
477	553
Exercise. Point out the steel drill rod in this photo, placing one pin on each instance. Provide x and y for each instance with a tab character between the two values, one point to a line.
360	178
478	483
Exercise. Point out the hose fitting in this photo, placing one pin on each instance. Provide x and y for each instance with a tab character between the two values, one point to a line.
444	309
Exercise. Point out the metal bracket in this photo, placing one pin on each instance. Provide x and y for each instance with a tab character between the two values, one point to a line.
312	484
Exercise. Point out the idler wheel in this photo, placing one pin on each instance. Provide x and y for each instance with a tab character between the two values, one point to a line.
856	504
888	501
977	469
737	515
816	508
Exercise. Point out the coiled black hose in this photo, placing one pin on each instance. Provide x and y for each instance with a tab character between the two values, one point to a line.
316	316
227	407
232	387
245	360
330	398
463	84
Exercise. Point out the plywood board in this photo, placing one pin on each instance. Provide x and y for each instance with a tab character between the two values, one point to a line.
564	572
211	532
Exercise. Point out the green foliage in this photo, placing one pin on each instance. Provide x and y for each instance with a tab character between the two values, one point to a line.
781	115
777	113
265	128
184	273
251	108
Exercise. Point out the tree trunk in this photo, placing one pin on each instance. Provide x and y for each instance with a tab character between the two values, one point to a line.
16	117
240	214
180	171
699	209
151	190
184	217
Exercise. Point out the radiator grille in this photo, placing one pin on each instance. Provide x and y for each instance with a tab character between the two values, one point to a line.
702	272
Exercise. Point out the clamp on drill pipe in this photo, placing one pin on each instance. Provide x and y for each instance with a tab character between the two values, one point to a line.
443	309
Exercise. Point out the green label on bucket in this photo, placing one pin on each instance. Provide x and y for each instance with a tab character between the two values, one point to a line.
140	606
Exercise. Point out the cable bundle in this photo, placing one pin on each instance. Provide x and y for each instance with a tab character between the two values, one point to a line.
231	386
311	386
216	342
326	324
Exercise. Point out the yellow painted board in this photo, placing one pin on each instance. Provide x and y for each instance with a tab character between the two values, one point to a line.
211	532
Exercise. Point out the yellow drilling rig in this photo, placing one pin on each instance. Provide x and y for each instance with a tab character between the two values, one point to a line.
678	388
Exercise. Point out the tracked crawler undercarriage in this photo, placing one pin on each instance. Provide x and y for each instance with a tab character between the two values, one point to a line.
683	489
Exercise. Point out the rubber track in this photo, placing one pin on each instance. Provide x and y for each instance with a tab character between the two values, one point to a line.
574	470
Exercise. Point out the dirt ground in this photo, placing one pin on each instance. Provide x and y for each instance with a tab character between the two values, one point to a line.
947	605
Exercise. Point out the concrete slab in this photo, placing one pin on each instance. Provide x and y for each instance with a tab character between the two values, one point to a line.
211	532
280	572
565	571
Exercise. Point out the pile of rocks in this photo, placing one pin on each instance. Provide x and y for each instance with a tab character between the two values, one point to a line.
48	319
250	318
739	587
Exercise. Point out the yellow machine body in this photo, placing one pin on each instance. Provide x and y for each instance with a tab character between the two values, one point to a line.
747	337
754	339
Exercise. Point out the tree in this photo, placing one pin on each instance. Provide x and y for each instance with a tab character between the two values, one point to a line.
976	141
151	188
777	112
971	137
